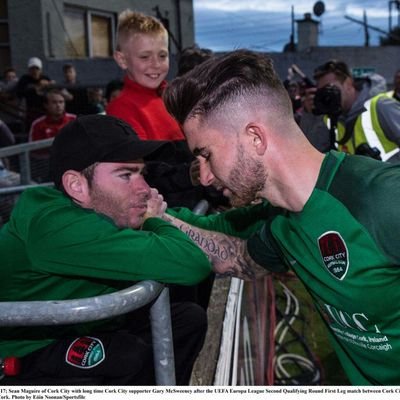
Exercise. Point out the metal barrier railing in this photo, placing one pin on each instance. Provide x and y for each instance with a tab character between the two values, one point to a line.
21	172
40	313
23	152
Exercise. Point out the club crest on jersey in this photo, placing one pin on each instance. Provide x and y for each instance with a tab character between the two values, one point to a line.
334	254
85	352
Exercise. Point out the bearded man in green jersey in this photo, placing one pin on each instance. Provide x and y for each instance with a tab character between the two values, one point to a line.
332	218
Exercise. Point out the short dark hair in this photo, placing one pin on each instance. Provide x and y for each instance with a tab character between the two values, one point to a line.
9	69
192	56
339	68
52	90
220	79
66	67
115	84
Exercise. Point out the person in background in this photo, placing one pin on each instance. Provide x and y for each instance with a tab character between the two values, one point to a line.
9	81
192	56
113	89
56	117
361	118
7	177
12	112
395	93
46	127
70	75
6	136
30	89
75	94
96	101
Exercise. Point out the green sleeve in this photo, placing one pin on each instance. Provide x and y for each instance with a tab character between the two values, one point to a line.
240	222
264	251
71	241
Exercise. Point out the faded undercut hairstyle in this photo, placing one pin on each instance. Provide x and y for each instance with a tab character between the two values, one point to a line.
241	75
131	22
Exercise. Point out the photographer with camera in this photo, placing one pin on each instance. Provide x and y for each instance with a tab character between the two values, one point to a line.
360	119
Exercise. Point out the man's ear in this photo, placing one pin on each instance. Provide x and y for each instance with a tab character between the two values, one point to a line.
76	186
258	137
120	59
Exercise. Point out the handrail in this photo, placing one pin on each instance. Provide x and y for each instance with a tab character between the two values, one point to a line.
25	147
59	312
201	207
54	312
20	188
23	151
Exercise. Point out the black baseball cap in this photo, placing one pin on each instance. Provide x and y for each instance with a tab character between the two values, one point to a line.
98	138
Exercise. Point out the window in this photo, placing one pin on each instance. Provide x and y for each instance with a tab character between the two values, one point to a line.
88	33
101	35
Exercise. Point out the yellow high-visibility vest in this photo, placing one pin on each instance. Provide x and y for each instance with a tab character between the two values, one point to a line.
367	129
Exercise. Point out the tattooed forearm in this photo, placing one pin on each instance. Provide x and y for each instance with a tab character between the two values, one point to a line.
227	254
210	244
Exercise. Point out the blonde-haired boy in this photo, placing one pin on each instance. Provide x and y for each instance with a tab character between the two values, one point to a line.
142	52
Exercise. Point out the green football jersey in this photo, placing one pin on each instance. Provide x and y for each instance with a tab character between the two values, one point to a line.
344	247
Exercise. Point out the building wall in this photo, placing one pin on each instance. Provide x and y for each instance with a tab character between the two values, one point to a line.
36	29
26	32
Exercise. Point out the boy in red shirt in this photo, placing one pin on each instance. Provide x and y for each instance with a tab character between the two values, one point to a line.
142	52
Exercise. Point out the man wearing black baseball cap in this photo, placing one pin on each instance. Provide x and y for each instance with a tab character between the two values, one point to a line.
110	147
98	230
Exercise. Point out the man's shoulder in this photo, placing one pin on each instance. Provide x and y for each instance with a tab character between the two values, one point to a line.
69	116
39	122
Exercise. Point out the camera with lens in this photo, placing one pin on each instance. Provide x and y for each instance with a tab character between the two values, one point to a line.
327	101
364	149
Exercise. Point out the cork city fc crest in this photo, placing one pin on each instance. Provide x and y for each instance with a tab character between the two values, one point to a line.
85	352
334	254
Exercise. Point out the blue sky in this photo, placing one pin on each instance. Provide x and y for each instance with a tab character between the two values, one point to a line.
265	25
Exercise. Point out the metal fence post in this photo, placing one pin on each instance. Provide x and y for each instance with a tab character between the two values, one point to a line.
160	315
25	168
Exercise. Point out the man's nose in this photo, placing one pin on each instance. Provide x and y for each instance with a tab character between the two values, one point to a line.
206	176
142	186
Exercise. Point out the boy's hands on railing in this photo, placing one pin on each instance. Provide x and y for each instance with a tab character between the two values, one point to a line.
228	254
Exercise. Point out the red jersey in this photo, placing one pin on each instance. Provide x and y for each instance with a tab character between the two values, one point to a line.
45	128
144	110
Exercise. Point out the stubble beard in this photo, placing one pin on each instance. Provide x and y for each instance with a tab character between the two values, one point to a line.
246	180
110	206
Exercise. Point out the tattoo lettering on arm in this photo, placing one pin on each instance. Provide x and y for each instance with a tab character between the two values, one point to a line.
227	254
